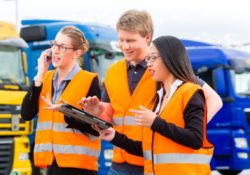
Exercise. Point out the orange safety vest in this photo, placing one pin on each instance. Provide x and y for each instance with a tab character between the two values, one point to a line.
116	83
53	140
163	155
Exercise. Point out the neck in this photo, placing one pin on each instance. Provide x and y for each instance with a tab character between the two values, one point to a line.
63	72
168	82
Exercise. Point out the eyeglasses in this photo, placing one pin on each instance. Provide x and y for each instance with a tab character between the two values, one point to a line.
151	58
61	47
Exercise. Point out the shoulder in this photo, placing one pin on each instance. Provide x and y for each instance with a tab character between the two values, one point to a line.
87	73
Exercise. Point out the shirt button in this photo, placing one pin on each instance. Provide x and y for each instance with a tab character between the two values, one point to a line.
135	72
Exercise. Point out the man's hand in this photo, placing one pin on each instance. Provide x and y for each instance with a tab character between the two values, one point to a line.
91	105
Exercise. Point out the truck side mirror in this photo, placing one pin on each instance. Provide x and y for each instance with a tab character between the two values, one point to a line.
220	82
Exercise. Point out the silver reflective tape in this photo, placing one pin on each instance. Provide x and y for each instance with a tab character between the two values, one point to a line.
44	126
147	155
182	158
70	149
61	127
128	120
46	147
117	121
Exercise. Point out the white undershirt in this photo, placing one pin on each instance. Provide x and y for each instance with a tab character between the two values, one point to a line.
160	92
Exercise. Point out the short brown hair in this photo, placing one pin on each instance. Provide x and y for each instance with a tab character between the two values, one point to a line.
77	36
136	21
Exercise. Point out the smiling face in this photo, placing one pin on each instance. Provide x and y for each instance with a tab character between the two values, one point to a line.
156	66
63	52
133	45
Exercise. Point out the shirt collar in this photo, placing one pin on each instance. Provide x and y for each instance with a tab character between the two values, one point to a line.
161	92
142	64
71	74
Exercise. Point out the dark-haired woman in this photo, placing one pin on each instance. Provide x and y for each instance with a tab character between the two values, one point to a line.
174	133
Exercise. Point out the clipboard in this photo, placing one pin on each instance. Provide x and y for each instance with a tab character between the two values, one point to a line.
82	116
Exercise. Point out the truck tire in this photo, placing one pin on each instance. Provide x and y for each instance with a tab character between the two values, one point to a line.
229	172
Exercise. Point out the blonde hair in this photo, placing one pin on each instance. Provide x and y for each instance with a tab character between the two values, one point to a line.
136	21
77	36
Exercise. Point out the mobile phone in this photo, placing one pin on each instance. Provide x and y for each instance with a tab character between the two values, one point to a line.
49	57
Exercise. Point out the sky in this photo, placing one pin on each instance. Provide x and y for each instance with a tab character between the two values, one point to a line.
225	22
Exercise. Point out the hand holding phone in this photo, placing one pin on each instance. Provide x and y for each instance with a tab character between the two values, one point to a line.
49	56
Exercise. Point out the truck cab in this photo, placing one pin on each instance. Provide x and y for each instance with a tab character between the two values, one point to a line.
14	143
228	72
103	51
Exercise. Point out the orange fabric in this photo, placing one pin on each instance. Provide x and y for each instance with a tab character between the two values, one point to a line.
116	83
76	89
173	113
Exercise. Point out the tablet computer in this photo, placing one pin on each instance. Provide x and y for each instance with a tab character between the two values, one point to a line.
71	111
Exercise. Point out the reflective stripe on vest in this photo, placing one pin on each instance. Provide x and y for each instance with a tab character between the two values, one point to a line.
43	147
128	120
178	158
182	158
44	126
147	155
67	149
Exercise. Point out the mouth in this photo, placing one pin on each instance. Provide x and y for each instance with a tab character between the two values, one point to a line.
56	59
151	71
128	53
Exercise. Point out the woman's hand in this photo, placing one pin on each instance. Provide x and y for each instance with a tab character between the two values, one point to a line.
107	134
144	117
43	64
91	105
50	105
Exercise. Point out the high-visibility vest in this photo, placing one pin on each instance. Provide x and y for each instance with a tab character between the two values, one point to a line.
116	83
53	140
163	155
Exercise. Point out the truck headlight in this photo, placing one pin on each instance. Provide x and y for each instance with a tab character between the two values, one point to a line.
24	156
108	154
243	155
241	142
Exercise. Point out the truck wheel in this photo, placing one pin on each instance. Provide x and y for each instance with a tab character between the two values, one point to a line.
229	172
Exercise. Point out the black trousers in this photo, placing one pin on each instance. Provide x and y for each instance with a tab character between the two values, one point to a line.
54	169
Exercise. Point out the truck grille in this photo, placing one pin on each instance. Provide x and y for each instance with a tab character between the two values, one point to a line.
6	155
11	122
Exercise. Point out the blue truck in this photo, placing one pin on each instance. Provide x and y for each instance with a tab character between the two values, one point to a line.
226	70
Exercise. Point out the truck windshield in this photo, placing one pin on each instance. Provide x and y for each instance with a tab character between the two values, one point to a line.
11	66
241	82
101	60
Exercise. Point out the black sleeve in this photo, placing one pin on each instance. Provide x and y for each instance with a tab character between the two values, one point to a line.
131	146
192	134
29	107
84	127
105	96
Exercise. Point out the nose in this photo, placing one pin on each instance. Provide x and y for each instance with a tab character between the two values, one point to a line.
149	64
124	45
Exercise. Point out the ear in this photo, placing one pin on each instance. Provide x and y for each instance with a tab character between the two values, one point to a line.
148	38
77	53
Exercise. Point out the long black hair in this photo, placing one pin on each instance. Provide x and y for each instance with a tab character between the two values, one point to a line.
175	57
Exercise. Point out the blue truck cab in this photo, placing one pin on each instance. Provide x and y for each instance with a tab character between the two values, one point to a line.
228	72
103	51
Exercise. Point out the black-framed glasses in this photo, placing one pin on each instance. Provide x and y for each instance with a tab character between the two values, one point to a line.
60	47
151	58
